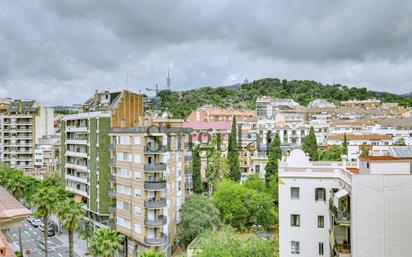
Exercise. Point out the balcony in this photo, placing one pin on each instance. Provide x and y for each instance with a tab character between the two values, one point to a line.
155	185
341	216
342	250
155	203
76	129
76	154
156	222
156	241
189	184
112	163
77	179
112	194
112	209
112	147
188	171
76	166
188	158
112	179
155	167
153	148
77	142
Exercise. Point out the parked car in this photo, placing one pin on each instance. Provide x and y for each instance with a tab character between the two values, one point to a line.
37	222
50	231
41	246
30	219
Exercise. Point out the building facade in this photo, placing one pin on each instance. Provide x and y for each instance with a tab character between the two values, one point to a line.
150	171
346	209
85	151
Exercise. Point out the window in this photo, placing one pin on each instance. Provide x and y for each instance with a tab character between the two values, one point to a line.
295	220
294	193
124	222
137	140
295	247
126	190
321	221
137	158
138	228
122	205
138	211
320	194
320	248
124	173
137	175
137	193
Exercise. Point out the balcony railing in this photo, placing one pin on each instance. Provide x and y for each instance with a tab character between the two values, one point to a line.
112	163
155	241
156	222
340	215
112	194
188	171
189	184
112	179
155	203
188	158
155	167
342	249
154	185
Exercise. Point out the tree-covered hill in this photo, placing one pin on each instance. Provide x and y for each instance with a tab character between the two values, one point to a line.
181	103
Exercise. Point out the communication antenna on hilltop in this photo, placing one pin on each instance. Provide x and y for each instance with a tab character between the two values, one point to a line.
156	90
168	80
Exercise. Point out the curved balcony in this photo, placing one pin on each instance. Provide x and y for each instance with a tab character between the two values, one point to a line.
155	203
154	185
155	167
152	149
156	241
156	222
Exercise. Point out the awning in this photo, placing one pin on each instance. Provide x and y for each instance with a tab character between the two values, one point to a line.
341	193
78	198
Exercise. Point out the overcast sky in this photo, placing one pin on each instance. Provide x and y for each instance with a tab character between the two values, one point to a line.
60	52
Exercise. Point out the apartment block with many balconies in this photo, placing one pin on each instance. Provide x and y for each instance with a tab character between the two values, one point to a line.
342	209
150	172
85	151
22	124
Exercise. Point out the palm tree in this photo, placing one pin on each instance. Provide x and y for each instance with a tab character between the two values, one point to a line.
86	231
150	253
16	185
105	243
45	200
69	213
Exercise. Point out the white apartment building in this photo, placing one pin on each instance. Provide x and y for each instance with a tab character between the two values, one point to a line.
336	209
22	124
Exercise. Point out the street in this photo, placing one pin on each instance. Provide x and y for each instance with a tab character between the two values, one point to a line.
58	244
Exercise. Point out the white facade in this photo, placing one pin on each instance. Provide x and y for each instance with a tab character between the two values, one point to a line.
367	209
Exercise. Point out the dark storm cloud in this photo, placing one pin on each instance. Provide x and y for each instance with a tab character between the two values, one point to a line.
78	46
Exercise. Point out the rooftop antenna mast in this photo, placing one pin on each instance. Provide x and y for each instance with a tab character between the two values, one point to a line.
156	90
168	80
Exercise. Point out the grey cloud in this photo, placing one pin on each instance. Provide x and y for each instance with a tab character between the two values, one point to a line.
74	47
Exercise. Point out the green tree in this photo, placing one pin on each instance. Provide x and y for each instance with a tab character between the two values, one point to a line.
86	231
217	166
310	145
254	182
105	243
332	153
198	215
230	198
364	150
196	169
233	154
261	209
400	142
69	213
227	243
345	145
45	200
275	153
150	253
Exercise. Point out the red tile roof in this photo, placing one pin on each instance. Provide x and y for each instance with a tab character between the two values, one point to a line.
207	124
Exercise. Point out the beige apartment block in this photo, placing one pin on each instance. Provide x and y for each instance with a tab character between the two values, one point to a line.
150	172
22	123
